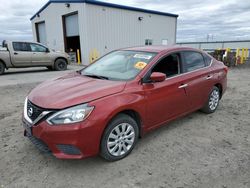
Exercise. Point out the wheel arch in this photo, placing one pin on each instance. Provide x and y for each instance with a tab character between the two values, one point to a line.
2	61
219	86
133	114
61	58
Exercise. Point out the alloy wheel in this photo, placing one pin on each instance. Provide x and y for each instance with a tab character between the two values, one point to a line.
121	139
214	100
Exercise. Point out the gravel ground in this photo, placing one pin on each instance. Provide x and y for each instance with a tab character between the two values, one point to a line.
195	151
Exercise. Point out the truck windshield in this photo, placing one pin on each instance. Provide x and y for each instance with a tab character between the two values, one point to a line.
119	65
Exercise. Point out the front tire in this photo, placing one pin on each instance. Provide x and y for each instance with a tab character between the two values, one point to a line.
61	65
119	138
212	102
2	68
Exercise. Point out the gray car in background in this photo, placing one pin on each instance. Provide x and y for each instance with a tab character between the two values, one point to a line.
15	54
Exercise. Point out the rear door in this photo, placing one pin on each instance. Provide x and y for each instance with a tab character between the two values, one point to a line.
21	54
40	55
199	78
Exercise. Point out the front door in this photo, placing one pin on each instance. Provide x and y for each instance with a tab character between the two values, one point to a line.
166	100
40	55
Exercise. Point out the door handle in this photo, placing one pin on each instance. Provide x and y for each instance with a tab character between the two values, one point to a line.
209	77
15	53
183	86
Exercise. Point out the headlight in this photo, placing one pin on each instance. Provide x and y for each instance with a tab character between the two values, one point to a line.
71	115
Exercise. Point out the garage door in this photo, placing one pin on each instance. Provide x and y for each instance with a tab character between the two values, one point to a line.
72	27
41	33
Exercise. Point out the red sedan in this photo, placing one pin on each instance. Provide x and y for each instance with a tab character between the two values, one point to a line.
105	107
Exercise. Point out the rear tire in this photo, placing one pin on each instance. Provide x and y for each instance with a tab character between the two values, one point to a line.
119	138
61	65
212	102
2	68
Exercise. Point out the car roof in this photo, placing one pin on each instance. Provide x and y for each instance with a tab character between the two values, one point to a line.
158	49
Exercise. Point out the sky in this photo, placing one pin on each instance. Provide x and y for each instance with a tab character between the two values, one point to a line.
199	20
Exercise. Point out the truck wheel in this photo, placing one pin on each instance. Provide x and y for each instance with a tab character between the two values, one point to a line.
61	65
2	68
119	138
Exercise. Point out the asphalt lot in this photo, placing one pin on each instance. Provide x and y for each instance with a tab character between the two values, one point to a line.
31	75
195	151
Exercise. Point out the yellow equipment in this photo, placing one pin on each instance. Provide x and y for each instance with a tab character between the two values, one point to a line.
93	55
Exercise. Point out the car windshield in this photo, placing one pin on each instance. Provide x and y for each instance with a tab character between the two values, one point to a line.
119	65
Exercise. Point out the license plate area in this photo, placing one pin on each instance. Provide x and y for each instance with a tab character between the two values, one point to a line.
28	128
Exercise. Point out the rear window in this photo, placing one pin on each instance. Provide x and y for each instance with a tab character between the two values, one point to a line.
207	59
193	61
21	46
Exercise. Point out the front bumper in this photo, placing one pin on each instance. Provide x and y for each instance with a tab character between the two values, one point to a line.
73	141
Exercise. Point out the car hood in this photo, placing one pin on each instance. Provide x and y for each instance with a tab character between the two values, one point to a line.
72	89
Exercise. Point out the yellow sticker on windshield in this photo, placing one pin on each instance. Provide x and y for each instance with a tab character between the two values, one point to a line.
140	65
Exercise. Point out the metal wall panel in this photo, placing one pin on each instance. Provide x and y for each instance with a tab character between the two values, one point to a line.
72	26
42	33
104	28
111	28
52	16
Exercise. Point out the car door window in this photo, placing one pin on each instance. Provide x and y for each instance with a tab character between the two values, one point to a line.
21	46
193	61
37	48
169	65
208	59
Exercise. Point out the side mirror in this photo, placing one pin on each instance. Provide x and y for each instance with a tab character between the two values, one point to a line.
47	50
158	77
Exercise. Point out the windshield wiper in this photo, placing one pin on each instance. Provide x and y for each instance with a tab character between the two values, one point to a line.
97	76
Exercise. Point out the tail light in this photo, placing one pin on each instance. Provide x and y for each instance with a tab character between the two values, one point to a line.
226	69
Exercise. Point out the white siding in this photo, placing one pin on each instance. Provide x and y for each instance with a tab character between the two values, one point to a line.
52	16
105	28
111	28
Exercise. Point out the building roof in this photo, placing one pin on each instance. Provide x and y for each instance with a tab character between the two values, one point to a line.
94	2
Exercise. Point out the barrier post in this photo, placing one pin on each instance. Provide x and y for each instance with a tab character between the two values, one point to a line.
245	56
242	56
237	56
78	57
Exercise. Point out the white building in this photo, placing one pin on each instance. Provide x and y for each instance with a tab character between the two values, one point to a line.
96	27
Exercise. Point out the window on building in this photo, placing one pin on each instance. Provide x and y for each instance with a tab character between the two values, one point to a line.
164	42
193	61
148	42
21	46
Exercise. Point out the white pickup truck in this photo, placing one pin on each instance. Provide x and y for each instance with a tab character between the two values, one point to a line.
15	54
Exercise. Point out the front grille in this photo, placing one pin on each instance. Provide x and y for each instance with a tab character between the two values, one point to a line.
33	111
38	143
68	149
